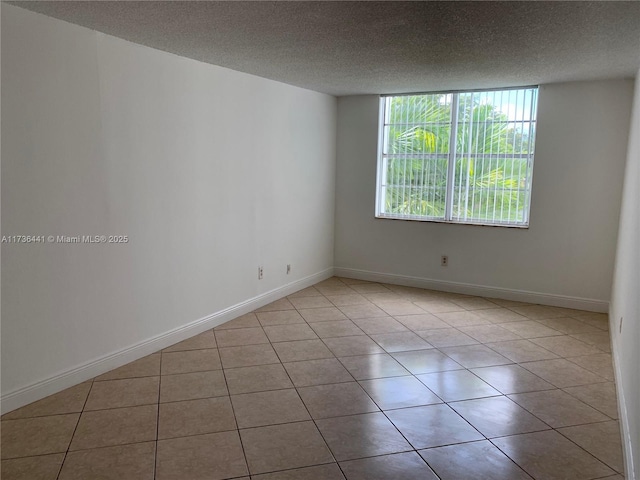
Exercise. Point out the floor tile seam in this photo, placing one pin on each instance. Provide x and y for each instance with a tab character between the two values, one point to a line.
293	469
167	402
257	311
32	456
269	391
285	324
341	415
409	450
297	309
240	367
491	325
440	446
398	453
75	429
248	344
604	380
315	424
566	438
173	437
441	402
325	321
339	336
283	363
416	331
90	409
609	420
549	427
124	406
513	307
600	332
92	380
336	357
584	449
519	363
588	355
400	314
601	379
125	378
511	459
169	352
226	329
279	424
510	362
545	389
595	408
425	373
235	420
389	354
573	316
191	371
155	449
389	419
457	370
162	352
569	336
254	365
365	354
40	416
590	422
38	455
79	450
563	426
385	352
320	384
197	349
349	304
418	450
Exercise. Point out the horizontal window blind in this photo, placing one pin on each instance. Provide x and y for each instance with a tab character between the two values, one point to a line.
463	157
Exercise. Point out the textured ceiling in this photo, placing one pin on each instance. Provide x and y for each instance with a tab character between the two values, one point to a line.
345	48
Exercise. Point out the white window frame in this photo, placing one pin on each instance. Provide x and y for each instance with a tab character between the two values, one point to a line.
451	165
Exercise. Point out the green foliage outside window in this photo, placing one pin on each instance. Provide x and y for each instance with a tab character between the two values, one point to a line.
491	165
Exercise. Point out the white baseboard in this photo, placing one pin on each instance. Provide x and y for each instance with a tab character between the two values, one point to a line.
478	290
623	414
26	395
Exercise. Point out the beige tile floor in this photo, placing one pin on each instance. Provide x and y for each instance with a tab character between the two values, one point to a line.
346	379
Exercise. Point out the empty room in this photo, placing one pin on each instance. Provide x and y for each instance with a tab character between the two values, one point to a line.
320	240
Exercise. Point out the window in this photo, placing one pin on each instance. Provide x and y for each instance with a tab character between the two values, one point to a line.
461	157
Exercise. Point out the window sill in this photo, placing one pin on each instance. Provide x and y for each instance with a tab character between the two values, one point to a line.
410	218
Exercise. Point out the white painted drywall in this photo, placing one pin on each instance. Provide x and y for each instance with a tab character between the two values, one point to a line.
210	173
625	300
568	251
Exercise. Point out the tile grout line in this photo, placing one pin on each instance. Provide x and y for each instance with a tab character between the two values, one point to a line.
380	410
155	450
376	403
305	405
390	354
235	420
75	429
585	450
502	395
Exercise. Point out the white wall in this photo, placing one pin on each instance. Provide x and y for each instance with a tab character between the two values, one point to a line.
625	300
564	258
210	173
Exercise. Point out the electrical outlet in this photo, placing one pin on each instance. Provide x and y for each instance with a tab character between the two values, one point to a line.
444	260
288	268
260	273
